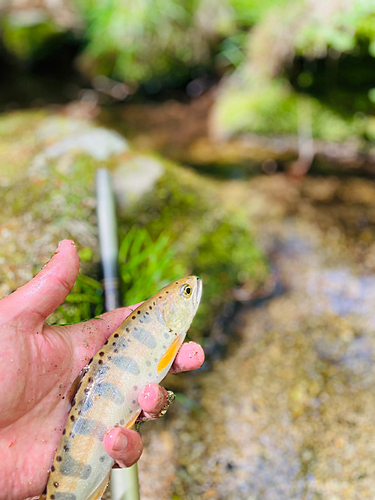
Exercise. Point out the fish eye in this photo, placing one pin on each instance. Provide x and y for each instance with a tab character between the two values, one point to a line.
186	290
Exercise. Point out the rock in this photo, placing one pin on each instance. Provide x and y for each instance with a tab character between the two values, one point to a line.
99	143
134	178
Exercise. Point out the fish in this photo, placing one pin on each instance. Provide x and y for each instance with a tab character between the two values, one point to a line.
140	351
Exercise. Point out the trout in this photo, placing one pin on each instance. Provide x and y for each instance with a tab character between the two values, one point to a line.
140	351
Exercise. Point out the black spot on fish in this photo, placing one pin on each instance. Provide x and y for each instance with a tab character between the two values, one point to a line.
133	317
133	401
73	402
127	329
66	448
102	458
72	418
106	342
90	380
116	335
115	350
109	357
100	362
56	484
64	431
150	307
52	468
101	353
114	344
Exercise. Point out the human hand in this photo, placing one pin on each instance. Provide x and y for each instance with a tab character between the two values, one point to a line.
38	365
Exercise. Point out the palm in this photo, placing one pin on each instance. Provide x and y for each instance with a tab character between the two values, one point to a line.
38	365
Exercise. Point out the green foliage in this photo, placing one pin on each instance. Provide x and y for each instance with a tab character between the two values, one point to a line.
147	40
144	40
146	266
250	12
25	34
84	302
274	109
342	30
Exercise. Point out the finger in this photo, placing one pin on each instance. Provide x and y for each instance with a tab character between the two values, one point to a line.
189	357
90	336
123	445
152	399
48	289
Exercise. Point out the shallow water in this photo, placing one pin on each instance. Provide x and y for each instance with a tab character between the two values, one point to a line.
290	412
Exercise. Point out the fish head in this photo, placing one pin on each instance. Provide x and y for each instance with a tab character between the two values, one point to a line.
180	304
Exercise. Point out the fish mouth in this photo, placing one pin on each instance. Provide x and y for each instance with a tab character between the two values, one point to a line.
198	292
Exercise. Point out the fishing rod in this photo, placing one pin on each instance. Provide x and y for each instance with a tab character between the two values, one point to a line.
124	483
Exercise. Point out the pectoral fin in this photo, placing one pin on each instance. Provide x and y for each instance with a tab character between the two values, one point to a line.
171	353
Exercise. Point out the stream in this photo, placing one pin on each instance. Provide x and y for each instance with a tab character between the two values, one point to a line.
289	413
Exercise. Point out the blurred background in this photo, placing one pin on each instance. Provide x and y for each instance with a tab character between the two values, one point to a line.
239	135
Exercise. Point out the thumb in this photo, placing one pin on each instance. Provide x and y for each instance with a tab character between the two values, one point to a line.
47	290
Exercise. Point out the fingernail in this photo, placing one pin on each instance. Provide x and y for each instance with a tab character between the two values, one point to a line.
161	397
121	443
58	248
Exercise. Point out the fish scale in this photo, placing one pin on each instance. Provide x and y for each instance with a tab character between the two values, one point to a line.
139	352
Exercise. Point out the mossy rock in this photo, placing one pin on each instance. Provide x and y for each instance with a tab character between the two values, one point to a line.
179	226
